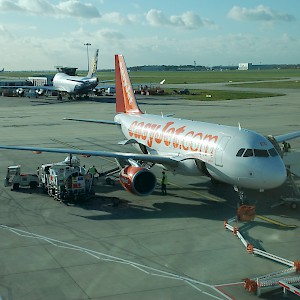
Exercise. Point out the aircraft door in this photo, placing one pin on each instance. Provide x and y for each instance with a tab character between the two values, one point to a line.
220	149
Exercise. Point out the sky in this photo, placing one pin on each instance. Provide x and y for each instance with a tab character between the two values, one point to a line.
42	34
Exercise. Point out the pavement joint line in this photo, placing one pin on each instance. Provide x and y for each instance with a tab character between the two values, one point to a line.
106	257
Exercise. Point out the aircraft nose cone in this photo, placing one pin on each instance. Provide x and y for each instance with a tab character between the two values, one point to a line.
276	174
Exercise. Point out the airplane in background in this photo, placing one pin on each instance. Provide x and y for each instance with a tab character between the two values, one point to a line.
73	86
76	85
234	155
2	70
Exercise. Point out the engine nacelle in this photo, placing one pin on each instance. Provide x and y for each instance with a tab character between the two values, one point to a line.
138	180
20	92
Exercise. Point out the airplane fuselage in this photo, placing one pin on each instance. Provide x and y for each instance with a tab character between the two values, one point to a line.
74	84
231	154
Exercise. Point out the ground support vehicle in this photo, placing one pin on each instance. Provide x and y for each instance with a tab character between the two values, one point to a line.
66	180
15	179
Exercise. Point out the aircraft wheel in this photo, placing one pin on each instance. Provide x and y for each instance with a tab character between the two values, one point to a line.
16	186
33	185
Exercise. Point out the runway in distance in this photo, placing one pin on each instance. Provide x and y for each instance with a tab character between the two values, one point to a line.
234	155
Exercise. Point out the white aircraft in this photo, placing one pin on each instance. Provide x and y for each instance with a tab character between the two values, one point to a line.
74	86
234	155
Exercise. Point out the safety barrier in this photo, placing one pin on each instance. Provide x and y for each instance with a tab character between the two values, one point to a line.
272	280
286	286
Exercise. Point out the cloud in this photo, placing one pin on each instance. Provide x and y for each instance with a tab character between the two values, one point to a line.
4	32
259	13
72	8
188	20
77	9
118	18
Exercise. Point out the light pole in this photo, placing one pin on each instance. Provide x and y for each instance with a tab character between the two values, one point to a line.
87	53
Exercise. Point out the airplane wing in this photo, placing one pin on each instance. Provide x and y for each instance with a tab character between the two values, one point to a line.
119	155
94	121
288	136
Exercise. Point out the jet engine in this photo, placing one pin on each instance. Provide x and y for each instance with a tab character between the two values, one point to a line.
138	180
20	92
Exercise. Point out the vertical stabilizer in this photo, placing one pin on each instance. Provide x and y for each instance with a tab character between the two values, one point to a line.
125	99
93	66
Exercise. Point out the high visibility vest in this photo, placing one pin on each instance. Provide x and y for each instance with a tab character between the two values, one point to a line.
92	170
165	180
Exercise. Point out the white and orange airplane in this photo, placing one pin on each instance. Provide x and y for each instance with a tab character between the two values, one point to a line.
234	155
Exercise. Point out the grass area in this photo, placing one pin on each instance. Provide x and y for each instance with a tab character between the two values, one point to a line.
218	95
213	76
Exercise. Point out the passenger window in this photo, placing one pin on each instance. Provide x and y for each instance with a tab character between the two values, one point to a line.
240	152
248	153
261	153
273	152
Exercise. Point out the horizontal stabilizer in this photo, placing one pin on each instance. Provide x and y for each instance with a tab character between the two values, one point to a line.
288	136
94	121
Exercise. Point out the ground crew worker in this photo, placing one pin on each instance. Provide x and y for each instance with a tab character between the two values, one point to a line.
93	171
164	182
286	146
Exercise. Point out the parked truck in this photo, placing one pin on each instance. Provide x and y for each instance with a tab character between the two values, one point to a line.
16	179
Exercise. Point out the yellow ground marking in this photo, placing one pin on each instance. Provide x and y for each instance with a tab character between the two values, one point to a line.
278	223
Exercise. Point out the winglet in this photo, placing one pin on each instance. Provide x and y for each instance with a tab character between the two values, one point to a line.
93	67
125	99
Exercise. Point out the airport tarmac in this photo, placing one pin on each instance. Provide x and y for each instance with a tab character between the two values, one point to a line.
155	247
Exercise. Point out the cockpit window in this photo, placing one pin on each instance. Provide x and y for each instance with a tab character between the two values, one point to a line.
248	152
240	152
261	153
273	152
257	152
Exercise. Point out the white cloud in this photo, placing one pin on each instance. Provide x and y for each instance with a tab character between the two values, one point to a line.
259	13
156	18
72	8
187	20
118	18
36	6
77	9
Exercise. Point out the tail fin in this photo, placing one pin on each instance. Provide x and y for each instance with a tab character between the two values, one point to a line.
125	99
93	66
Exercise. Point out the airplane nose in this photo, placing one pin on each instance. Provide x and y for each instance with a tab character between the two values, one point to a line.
276	174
